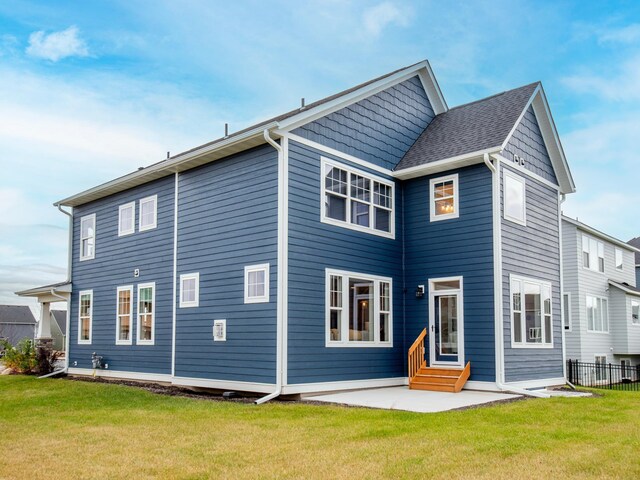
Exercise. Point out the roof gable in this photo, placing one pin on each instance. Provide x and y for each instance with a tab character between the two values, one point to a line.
16	314
635	242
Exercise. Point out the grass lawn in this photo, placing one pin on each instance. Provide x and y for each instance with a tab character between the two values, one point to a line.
60	429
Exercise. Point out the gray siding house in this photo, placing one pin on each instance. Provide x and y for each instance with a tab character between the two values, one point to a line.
320	250
602	302
635	242
16	323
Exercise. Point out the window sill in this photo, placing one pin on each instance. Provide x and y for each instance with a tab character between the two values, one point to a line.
535	346
358	228
359	345
126	234
189	305
443	217
84	342
517	221
597	332
123	342
145	342
144	229
84	259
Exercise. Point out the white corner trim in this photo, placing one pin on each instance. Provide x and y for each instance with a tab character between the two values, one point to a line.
223	384
147	377
343	385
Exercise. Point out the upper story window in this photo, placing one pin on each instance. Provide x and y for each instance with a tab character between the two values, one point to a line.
256	283
124	315
146	313
358	309
443	195
85	316
356	200
148	213
514	198
619	259
126	219
592	254
635	312
531	320
597	314
88	237
189	290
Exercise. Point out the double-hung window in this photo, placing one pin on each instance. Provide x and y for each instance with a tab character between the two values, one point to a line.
189	290
592	254
443	198
531	315
146	313
256	283
358	310
88	237
597	314
85	316
124	315
514	198
356	200
148	213
635	312
126	219
619	259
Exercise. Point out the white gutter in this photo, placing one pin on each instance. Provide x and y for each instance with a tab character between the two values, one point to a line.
497	272
282	265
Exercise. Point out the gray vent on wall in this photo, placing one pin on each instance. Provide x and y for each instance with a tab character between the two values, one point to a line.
219	330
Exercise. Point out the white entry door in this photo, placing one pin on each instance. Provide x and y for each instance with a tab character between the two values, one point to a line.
446	322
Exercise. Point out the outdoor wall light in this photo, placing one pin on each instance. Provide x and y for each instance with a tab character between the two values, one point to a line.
420	291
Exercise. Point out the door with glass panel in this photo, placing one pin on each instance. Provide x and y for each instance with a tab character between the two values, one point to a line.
446	325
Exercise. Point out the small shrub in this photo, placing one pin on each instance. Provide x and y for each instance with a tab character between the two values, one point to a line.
22	357
46	360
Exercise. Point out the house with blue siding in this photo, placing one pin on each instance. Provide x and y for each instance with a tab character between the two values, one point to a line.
373	238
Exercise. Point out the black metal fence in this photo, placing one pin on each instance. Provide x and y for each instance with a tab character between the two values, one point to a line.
604	375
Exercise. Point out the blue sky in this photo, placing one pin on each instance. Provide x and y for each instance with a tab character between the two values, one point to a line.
92	90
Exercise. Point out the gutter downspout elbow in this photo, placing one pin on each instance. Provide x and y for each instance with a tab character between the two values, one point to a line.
279	316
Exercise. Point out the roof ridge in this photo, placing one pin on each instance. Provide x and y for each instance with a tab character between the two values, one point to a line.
493	96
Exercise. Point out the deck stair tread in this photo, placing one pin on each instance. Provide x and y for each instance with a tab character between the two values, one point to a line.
440	379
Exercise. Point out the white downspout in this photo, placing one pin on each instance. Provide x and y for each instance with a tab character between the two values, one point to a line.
282	265
563	197
497	271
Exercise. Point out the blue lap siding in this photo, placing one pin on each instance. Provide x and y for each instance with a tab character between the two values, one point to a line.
228	220
115	260
461	246
315	246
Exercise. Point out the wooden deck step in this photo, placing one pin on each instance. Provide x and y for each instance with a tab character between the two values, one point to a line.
433	387
440	379
435	379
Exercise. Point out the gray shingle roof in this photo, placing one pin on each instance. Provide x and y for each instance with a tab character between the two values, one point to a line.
469	128
60	317
16	314
635	242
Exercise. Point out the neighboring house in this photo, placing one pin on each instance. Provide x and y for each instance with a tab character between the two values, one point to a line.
308	252
16	323
58	329
635	242
601	300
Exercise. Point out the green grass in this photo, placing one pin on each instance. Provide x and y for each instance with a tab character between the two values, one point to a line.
60	429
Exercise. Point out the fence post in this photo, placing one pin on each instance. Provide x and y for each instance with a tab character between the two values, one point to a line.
570	372
610	377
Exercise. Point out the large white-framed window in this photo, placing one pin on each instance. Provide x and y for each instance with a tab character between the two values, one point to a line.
189	290
619	258
358	309
88	237
592	254
126	219
124	315
148	213
531	313
256	283
597	314
443	198
635	312
566	322
146	313
85	316
515	198
356	200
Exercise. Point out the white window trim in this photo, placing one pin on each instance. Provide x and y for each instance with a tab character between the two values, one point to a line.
345	343
153	314
567	314
118	290
153	198
615	258
122	233
432	201
586	316
520	179
524	345
80	341
256	268
82	220
347	223
635	324
196	302
597	270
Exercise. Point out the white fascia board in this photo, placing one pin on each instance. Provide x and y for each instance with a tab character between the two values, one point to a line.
599	234
160	169
445	164
422	70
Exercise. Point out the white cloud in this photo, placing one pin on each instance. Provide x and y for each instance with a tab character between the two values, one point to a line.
377	18
622	85
57	45
628	34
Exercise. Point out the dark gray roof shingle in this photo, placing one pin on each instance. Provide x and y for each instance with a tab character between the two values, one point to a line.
635	242
60	316
16	314
469	128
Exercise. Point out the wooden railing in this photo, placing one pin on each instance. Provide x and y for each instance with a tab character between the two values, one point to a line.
416	355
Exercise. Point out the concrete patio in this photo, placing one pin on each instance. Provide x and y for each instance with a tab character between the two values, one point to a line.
401	398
